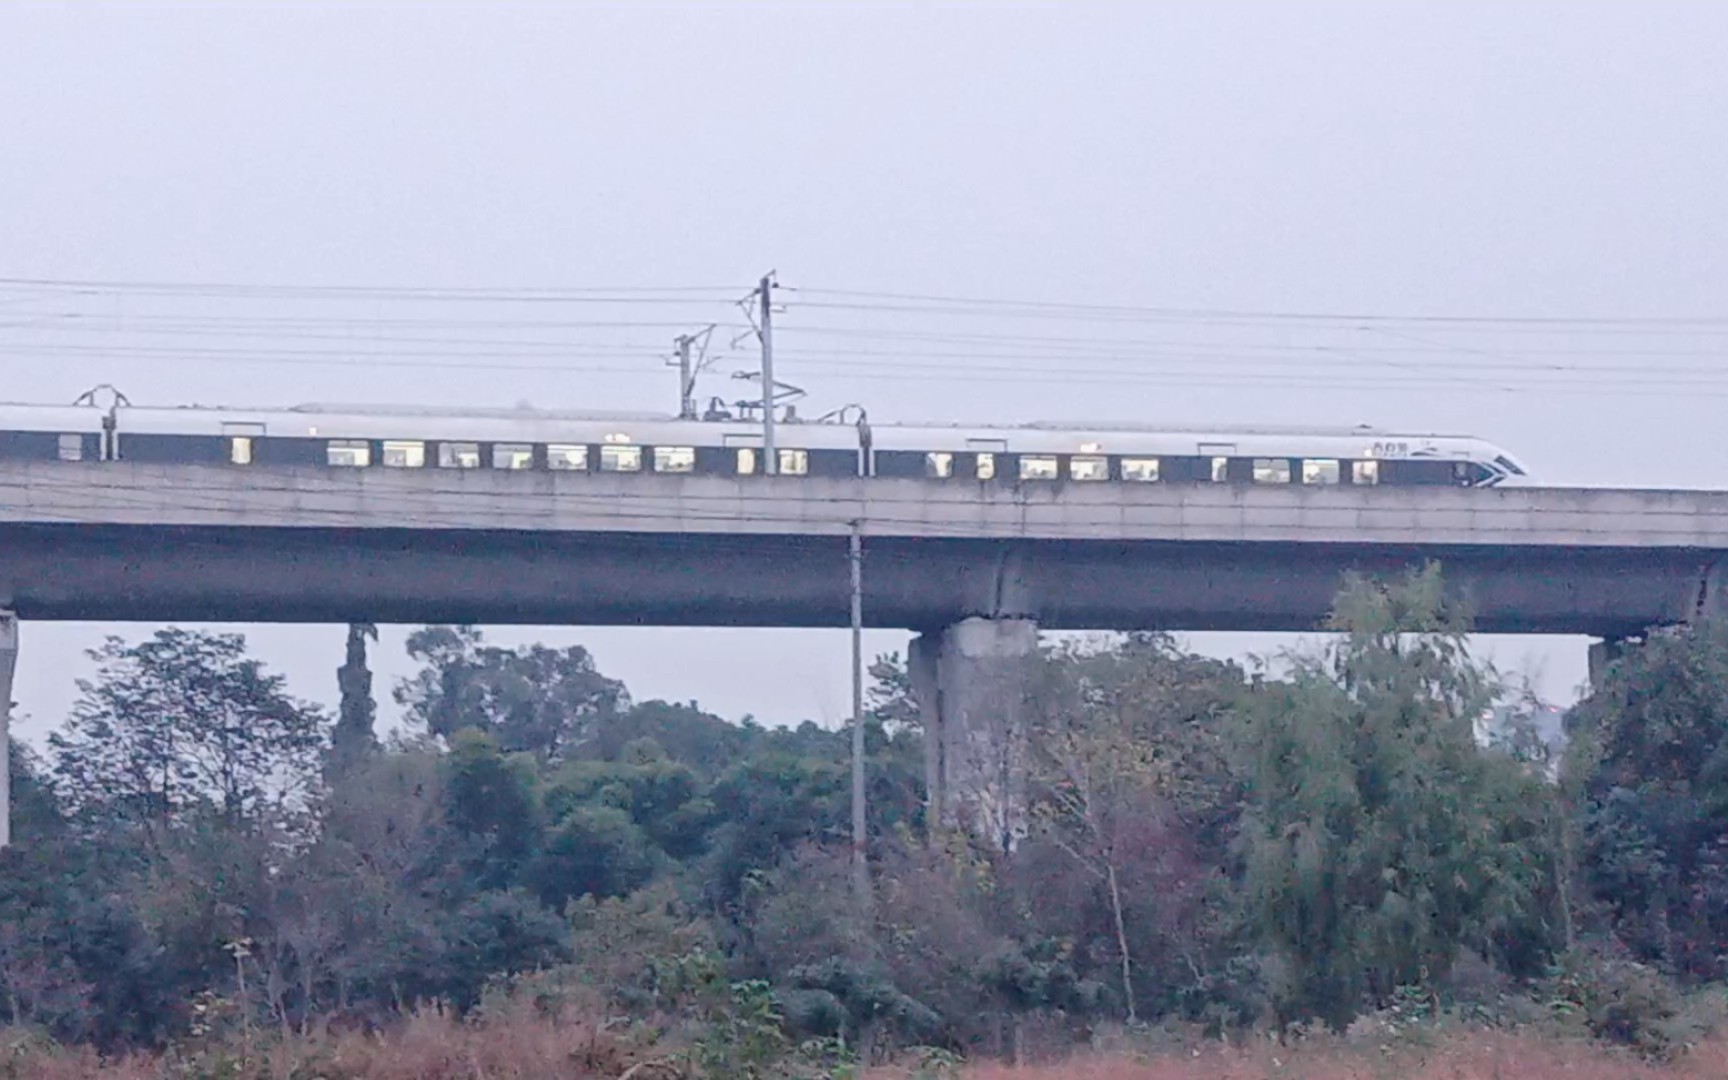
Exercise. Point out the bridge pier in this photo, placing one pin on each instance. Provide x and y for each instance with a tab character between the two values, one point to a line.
971	681
1603	654
8	664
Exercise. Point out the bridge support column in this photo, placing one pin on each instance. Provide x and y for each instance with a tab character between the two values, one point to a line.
971	681
8	664
1602	654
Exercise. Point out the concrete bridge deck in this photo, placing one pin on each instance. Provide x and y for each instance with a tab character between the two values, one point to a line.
147	542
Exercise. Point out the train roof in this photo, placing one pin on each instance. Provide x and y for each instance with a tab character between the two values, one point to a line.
527	412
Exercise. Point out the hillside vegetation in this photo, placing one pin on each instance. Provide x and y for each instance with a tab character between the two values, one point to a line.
1312	869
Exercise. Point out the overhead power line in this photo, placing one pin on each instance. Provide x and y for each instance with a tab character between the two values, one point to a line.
933	304
611	294
854	335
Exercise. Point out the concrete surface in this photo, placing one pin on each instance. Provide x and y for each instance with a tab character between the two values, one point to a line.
118	541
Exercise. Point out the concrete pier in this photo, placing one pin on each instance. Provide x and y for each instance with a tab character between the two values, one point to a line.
971	681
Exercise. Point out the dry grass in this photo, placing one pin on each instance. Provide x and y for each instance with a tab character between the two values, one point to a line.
523	1046
1476	1056
429	1045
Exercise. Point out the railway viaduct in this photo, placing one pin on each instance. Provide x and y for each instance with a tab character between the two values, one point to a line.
975	569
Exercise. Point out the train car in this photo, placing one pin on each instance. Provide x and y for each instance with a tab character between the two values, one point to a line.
366	436
53	433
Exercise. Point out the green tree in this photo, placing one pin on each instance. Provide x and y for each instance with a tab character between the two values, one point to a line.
593	851
889	699
687	735
500	932
1379	838
354	736
767	805
665	799
492	803
1650	763
535	699
184	719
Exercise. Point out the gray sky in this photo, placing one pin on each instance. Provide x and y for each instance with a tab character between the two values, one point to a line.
1534	160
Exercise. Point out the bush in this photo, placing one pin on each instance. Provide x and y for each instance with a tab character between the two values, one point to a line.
1617	999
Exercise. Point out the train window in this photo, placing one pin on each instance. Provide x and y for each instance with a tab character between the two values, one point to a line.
240	450
349	453
674	459
1320	471
1089	468
1037	467
746	461
1220	470
986	466
1274	470
1366	473
457	455
404	454
564	457
71	448
1142	469
619	457
939	465
512	456
794	462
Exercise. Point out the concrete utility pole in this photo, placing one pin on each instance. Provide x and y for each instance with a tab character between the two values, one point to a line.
770	458
860	838
686	381
8	664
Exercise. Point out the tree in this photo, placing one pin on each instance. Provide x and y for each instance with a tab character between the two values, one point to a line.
497	933
184	719
593	851
1650	761
1380	839
687	735
492	802
889	700
1132	784
380	871
665	799
354	737
535	699
767	804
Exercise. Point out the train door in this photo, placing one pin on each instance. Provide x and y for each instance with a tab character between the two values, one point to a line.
241	441
744	454
985	458
1215	461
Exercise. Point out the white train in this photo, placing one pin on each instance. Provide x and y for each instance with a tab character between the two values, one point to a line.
369	437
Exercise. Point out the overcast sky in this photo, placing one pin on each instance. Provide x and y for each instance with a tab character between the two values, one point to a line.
1376	160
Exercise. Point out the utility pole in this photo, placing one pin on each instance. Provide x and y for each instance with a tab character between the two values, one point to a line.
770	458
860	864
686	382
8	665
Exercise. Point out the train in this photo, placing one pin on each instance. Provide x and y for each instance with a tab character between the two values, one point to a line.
721	443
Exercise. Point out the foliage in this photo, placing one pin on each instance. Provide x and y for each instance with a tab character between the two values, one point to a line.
534	699
180	721
1651	762
1326	840
1135	789
354	736
1379	839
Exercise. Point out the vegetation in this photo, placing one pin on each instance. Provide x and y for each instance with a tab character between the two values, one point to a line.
211	878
